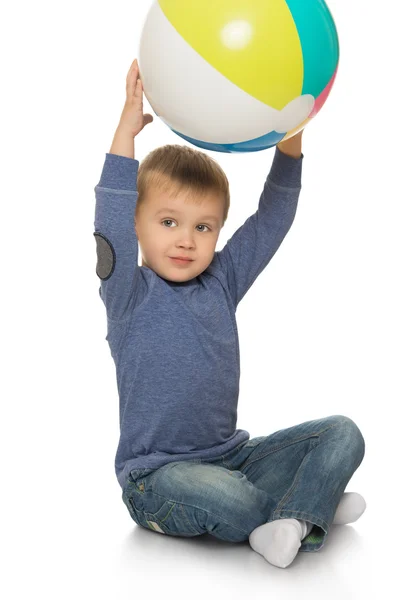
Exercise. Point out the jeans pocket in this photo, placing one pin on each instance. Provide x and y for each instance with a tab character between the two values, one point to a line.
155	512
173	519
133	494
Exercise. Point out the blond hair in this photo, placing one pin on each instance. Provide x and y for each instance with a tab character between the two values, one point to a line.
174	169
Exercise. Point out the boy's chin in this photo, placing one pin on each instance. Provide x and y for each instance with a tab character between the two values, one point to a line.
176	278
173	275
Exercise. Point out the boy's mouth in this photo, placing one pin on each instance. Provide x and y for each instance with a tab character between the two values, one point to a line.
181	260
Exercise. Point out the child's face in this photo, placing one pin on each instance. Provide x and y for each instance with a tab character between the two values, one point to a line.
168	227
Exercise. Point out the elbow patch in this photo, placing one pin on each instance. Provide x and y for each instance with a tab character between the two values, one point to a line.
105	256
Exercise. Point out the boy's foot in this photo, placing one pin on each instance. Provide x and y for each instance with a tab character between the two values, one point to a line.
350	508
279	541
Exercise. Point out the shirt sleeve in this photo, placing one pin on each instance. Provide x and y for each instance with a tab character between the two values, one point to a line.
115	235
250	249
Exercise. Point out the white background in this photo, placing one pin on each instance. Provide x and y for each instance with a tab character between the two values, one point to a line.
319	329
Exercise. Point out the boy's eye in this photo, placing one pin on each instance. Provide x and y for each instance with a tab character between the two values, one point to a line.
171	221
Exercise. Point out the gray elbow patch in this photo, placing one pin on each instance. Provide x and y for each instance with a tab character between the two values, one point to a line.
105	256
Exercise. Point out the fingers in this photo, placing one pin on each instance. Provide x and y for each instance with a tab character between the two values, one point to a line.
132	79
139	88
133	66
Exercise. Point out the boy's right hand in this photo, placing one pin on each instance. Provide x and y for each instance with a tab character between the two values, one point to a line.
132	118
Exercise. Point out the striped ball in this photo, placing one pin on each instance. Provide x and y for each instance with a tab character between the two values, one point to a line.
238	75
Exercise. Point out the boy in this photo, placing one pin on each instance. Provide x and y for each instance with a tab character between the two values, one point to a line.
183	467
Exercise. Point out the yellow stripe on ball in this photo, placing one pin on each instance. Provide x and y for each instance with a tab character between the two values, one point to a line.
243	42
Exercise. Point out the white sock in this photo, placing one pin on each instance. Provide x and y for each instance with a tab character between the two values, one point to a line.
279	541
350	508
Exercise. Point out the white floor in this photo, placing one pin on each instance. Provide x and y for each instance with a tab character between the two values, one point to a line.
87	549
171	567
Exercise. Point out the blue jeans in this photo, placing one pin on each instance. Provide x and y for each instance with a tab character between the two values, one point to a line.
300	472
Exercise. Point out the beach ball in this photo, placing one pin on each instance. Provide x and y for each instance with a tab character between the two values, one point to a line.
237	75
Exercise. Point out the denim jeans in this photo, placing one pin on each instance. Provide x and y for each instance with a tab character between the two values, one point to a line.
300	472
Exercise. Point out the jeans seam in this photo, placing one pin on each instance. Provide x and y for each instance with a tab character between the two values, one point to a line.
182	509
276	449
285	445
291	490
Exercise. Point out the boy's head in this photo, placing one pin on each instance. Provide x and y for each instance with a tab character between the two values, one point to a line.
182	206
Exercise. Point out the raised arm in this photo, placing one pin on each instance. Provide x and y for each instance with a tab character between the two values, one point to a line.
116	198
252	246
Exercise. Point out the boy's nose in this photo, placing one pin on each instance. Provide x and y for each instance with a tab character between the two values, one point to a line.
186	240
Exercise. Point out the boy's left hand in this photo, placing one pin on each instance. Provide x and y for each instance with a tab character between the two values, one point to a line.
292	146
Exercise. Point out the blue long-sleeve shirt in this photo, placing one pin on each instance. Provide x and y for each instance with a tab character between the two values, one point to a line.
175	345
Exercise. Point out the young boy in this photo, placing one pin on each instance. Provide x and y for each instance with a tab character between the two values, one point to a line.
183	467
